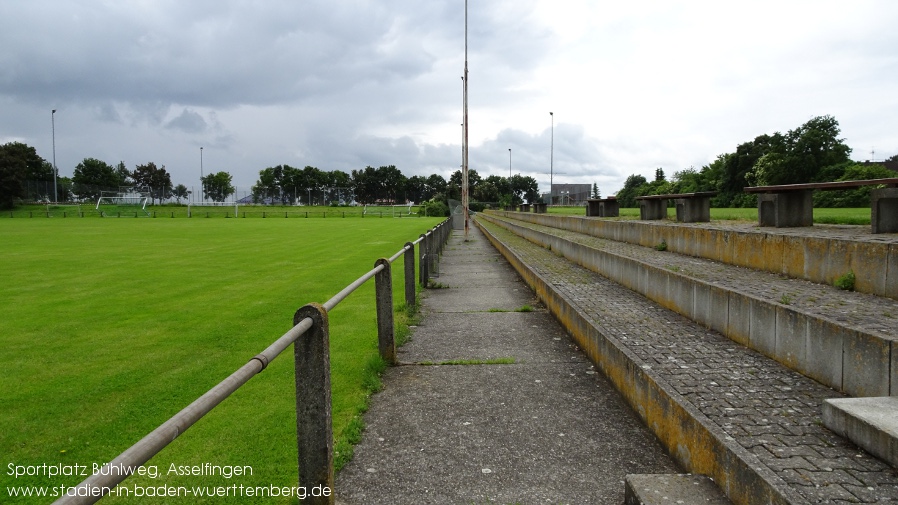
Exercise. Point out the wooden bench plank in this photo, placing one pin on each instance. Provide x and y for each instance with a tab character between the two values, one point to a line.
698	194
826	186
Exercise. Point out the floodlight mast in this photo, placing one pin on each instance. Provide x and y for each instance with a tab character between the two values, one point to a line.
55	170
464	168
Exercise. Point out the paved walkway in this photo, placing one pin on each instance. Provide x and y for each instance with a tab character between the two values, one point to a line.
455	424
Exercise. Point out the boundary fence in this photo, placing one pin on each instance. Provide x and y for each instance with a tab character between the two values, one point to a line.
312	365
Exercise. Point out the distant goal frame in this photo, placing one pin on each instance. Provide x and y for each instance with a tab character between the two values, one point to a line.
392	209
191	205
119	199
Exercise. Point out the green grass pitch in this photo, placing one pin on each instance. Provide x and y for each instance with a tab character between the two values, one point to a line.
110	326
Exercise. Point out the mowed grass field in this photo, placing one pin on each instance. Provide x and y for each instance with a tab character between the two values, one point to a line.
110	326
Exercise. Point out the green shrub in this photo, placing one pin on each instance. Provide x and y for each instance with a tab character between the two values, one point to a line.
435	209
846	282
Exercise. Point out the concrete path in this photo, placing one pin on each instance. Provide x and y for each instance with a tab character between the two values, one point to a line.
455	424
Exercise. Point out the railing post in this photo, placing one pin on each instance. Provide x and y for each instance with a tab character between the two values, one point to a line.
409	274
314	432
433	249
383	288
423	260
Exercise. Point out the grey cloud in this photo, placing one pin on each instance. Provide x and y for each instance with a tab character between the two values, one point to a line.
188	121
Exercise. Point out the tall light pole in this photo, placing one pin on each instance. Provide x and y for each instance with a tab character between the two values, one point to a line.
201	174
464	175
509	165
55	170
551	158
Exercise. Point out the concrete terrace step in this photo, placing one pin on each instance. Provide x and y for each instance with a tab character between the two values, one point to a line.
818	253
723	410
871	423
843	339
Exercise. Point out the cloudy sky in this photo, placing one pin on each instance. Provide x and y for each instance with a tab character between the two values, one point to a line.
343	84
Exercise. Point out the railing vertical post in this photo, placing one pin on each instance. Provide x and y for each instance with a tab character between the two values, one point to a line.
434	253
423	260
409	274
314	432
383	288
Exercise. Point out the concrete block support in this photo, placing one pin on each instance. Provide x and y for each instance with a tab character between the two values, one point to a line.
652	209
609	208
786	210
884	209
592	207
693	210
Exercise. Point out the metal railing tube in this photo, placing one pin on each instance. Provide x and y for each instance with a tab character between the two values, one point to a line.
339	297
122	466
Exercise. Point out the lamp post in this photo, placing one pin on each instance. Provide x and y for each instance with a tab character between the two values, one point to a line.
55	170
551	159
201	173
509	165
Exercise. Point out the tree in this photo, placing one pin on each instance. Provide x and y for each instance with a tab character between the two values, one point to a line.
217	187
124	175
12	177
595	191
180	192
524	188
155	178
436	185
92	176
659	174
627	195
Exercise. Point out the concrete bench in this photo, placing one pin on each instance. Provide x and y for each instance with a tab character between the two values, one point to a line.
792	205
691	207
603	207
524	207
540	208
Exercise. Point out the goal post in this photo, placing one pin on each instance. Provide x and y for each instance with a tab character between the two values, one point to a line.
227	205
63	209
114	204
404	209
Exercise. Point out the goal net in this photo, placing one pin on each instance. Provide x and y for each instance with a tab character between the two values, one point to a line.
400	210
120	205
64	210
219	206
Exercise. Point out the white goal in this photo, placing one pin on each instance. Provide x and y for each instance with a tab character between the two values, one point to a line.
400	210
64	210
192	207
119	205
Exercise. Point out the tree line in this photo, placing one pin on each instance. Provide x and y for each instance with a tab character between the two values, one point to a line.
282	184
813	152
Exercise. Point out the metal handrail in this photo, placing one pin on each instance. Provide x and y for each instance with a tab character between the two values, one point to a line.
147	447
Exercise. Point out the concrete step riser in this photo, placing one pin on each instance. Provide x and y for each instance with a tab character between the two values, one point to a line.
698	444
817	259
845	359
